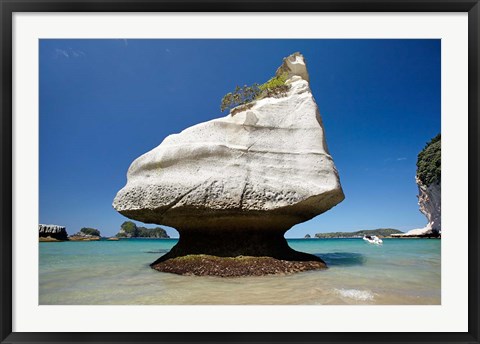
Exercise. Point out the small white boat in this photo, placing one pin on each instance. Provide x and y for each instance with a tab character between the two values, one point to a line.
373	239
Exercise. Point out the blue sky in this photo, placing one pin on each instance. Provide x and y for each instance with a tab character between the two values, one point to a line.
103	103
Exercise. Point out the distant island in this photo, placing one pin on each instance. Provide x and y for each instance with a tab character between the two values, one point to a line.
380	232
56	233
129	229
86	234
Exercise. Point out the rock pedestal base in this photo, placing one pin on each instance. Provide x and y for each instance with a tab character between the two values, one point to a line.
235	253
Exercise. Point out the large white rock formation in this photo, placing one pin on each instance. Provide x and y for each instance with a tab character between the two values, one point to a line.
262	168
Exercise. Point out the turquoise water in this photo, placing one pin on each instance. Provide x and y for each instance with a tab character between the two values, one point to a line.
401	271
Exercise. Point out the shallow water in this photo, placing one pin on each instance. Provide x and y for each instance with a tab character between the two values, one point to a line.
401	271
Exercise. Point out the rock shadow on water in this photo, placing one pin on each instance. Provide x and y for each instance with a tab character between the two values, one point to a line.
342	258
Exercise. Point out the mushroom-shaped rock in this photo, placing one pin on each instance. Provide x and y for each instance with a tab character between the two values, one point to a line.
234	185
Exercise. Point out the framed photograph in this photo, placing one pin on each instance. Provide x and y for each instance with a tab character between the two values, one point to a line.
252	172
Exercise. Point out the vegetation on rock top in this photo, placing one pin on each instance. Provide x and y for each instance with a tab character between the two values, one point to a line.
275	87
429	162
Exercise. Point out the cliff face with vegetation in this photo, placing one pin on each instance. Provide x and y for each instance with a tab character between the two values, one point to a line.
428	178
429	183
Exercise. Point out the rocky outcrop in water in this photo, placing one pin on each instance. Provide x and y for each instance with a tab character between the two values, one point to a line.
129	229
86	234
234	185
53	231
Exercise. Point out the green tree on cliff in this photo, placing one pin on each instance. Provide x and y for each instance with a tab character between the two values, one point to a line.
429	162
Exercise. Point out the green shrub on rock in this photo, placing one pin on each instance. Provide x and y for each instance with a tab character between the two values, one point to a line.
275	87
241	95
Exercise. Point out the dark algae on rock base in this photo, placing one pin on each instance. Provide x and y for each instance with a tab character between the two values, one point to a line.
233	186
206	265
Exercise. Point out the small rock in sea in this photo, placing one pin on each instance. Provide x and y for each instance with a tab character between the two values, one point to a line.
55	232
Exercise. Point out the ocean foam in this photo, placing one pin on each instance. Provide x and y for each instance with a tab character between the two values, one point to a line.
361	295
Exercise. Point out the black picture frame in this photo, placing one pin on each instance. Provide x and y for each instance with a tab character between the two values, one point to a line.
9	7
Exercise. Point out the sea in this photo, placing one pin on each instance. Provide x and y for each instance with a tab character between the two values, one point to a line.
398	272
